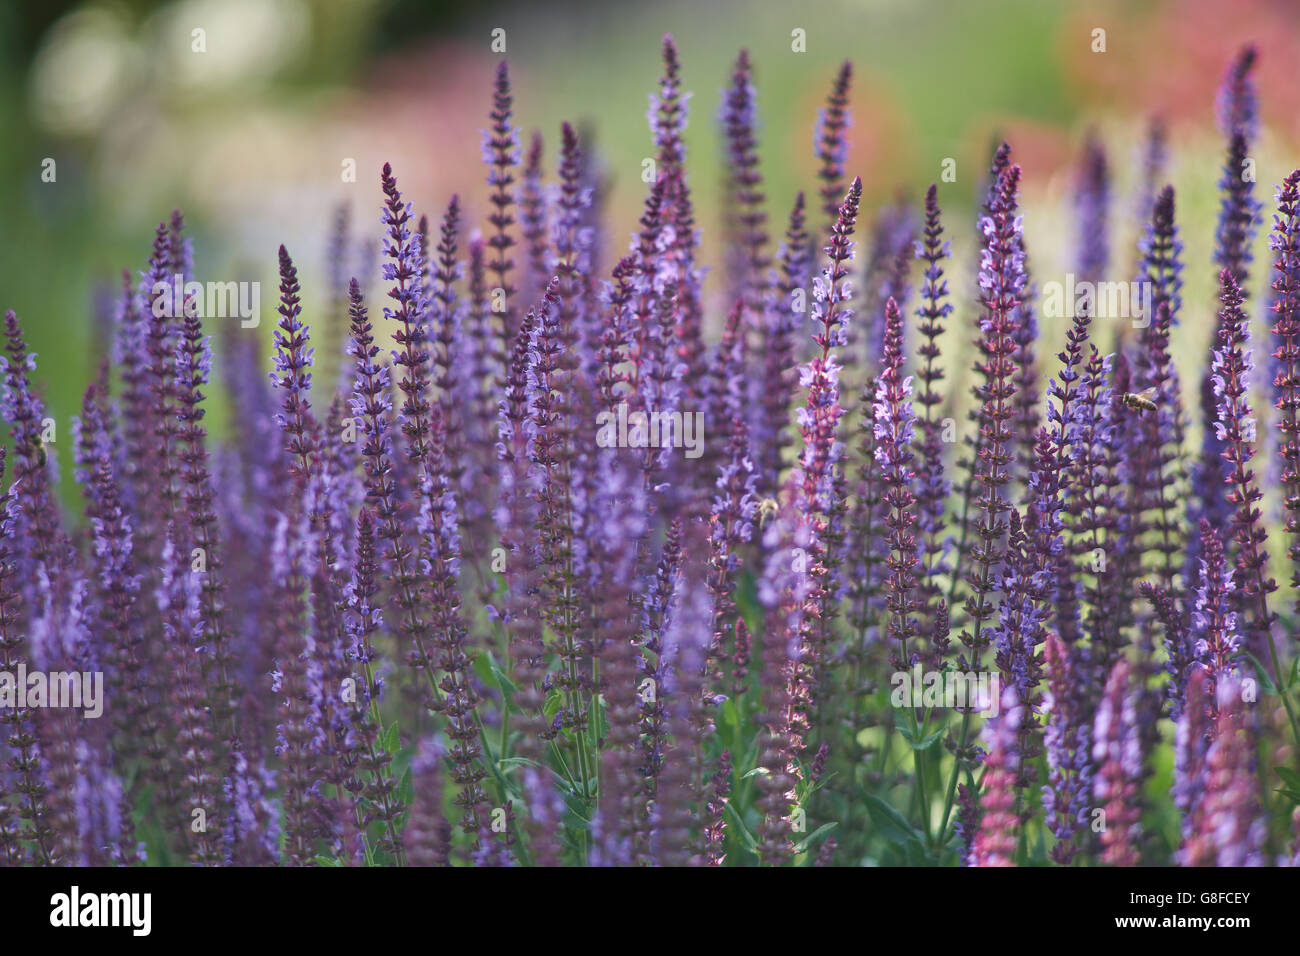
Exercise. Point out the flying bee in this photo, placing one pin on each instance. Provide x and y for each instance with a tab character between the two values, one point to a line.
1144	400
766	508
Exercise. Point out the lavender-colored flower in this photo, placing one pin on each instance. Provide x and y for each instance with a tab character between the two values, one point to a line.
625	790
534	212
118	584
867	551
715	808
1159	470
995	843
427	834
1192	735
550	389
731	522
884	277
1067	737
1226	828
501	155
548	811
932	485
1157	487
483	376
1214	633
785	590
22	773
447	348
779	362
1094	503
37	530
177	597
193	371
830	142
252	833
815	475
1235	430
296	681
1025	336
894	424
1285	243
679	837
516	516
653	666
1153	158
1239	213
1117	754
363	620
1002	283
292	376
668	110
1065	394
1239	216
1020	629
725	387
1092	207
459	698
161	339
1179	652
747	221
1237	103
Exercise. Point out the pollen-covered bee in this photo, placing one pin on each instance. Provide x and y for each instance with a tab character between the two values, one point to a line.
766	508
1143	400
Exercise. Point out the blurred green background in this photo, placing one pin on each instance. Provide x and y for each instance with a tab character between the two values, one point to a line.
249	136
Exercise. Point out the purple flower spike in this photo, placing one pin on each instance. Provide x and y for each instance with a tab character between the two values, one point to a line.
1192	736
932	485
1002	283
830	142
31	467
1067	738
780	365
995	843
894	426
1236	431
1237	103
1117	754
819	464
1226	828
1285	243
1092	206
501	155
747	222
534	212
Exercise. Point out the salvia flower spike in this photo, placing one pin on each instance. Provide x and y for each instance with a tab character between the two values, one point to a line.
582	556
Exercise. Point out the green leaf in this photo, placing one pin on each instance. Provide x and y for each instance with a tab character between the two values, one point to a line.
892	824
502	678
391	740
743	830
1289	777
406	788
509	763
755	772
554	700
925	743
812	837
1262	673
